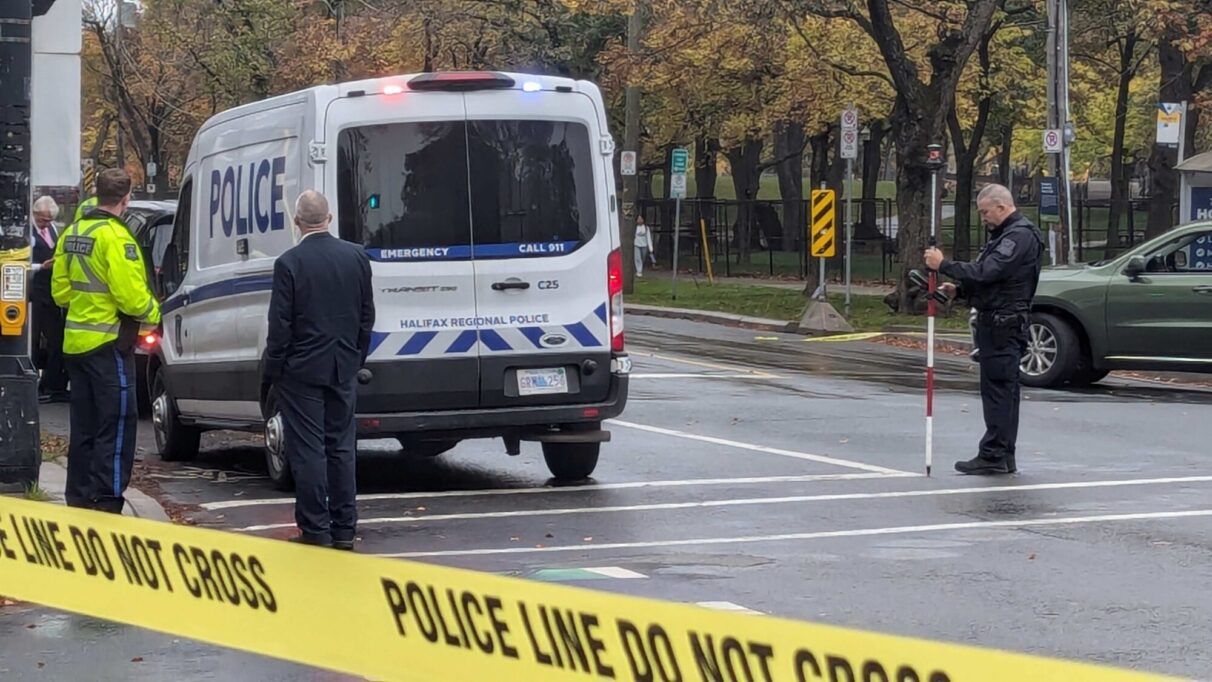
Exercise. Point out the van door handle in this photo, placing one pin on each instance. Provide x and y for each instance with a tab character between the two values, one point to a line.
502	286
1202	289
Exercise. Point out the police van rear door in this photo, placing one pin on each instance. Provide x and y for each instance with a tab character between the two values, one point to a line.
542	241
401	187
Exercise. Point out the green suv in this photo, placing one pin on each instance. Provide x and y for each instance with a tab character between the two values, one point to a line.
1148	309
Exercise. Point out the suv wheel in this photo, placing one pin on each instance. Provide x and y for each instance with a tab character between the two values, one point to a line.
571	461
276	465
1053	352
175	442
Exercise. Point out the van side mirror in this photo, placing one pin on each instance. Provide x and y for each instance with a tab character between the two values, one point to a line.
1136	265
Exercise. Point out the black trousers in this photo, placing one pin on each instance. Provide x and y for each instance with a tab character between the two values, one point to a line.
321	446
47	328
1001	345
104	418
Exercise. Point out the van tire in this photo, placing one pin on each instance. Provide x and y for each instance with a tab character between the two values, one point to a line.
175	442
277	466
569	462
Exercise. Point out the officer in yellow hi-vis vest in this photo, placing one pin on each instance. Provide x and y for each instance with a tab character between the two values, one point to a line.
100	278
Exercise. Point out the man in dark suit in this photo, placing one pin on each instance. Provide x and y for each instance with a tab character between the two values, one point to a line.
320	318
46	317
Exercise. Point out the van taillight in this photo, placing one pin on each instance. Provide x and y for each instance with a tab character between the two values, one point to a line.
614	286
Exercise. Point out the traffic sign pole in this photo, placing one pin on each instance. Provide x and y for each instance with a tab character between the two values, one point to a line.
679	163
849	151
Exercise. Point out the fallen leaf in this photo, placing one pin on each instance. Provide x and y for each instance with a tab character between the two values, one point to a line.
588	539
514	539
549	536
238	493
539	546
1032	557
844	440
41	664
422	508
137	659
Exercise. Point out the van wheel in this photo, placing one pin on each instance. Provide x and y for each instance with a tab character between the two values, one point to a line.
425	448
175	442
276	464
571	461
1053	352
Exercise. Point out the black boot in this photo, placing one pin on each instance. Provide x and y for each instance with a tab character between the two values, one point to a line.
980	466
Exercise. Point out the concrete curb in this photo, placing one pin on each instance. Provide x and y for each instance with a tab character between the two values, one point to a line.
53	481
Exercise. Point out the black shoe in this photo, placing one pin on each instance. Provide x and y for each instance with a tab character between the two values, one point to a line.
60	397
343	545
305	540
1011	465
979	466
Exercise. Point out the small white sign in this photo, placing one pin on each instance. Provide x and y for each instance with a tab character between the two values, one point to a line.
849	144
1053	142
850	119
1169	124
13	288
151	169
627	163
677	186
151	188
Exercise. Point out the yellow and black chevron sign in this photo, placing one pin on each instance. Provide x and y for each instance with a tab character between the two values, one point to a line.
824	223
90	180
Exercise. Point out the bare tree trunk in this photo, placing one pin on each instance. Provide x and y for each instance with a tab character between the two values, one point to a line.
746	178
1005	159
789	147
872	158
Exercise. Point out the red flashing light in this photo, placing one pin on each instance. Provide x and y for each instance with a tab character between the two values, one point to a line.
150	340
393	89
614	288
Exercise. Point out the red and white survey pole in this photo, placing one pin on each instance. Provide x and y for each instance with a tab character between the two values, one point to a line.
935	162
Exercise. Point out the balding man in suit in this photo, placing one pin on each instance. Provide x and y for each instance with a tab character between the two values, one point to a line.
320	318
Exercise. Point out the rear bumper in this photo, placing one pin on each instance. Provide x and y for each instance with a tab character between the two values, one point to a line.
501	421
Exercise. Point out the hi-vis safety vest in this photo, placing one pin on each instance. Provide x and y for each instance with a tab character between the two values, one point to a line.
98	276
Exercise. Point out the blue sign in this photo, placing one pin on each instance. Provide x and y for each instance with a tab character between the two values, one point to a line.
236	197
467	251
1049	197
1201	203
1200	256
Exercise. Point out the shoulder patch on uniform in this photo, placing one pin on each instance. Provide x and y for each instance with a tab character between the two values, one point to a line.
132	252
1006	247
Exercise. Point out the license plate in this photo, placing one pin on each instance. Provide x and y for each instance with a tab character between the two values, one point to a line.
542	381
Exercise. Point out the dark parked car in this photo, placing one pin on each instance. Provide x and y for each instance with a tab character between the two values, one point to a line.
1147	309
151	223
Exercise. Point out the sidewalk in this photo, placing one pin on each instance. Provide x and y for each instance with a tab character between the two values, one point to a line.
53	480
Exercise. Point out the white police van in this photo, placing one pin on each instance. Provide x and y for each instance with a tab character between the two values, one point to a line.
486	203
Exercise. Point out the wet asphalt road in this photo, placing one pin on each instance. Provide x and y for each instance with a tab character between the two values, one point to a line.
780	475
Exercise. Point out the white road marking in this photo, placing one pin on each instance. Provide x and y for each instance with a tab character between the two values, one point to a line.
616	572
496	492
832	497
785	537
726	606
821	459
681	375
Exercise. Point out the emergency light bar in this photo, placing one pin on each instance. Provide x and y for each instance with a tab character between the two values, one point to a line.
461	81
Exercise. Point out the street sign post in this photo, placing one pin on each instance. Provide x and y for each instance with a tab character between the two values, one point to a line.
849	151
627	163
679	162
823	236
1054	142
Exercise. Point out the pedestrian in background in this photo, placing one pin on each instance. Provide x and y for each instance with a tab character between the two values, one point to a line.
643	246
46	317
1000	284
99	276
320	317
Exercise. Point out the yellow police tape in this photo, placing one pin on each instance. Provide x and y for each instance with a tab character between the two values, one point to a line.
397	620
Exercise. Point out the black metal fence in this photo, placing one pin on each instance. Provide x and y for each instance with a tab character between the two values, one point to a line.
769	237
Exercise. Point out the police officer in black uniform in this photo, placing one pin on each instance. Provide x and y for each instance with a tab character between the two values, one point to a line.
1000	285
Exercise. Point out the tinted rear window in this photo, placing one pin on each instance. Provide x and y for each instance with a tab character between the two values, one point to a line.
404	188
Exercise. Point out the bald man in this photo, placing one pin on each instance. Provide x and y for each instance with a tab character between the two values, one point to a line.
1000	284
320	316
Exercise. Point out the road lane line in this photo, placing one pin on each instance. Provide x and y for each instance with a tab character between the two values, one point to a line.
726	606
821	459
495	492
705	504
700	363
785	537
682	375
